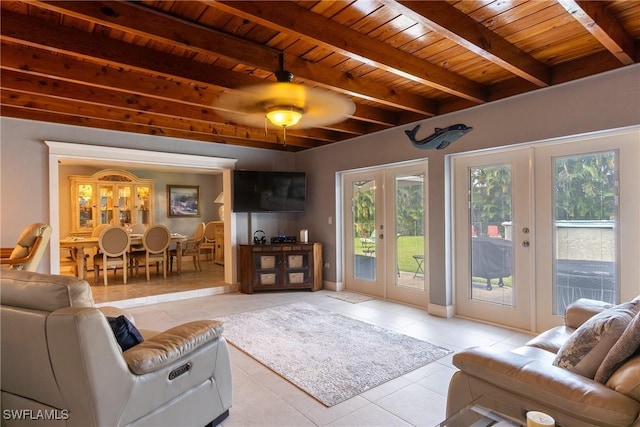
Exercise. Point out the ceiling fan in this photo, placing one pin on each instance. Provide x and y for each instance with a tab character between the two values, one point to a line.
284	104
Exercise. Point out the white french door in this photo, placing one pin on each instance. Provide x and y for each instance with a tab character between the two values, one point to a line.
384	228
588	211
537	228
493	237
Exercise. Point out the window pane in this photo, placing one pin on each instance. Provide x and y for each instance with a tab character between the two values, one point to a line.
364	229
410	231
585	229
490	227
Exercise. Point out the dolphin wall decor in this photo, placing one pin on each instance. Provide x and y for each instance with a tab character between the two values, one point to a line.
440	139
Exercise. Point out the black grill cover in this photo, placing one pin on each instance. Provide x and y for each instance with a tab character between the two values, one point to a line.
491	257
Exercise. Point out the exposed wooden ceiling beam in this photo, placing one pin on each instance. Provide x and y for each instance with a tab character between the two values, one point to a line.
595	18
191	97
145	119
292	18
158	68
100	98
29	113
465	31
107	51
138	20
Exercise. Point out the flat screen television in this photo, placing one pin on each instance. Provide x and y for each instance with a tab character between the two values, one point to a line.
269	191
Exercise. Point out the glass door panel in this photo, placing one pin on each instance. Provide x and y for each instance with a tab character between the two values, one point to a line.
363	208
125	204
585	241
409	243
143	204
85	206
490	215
105	204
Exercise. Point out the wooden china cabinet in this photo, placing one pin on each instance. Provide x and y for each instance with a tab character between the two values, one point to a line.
109	196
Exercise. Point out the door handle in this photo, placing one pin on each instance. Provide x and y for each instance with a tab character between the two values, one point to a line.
525	244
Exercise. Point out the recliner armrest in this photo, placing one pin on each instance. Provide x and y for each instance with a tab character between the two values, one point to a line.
550	385
5	252
109	311
165	348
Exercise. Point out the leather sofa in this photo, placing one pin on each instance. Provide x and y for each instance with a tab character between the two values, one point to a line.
526	379
62	365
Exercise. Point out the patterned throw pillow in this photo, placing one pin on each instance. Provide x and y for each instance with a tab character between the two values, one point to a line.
588	346
621	351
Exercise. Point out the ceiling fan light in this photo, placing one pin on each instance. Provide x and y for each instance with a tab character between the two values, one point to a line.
284	116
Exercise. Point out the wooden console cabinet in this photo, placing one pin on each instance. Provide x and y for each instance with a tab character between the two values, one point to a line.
280	266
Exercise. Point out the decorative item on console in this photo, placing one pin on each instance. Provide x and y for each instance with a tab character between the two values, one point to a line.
304	236
220	199
282	238
259	238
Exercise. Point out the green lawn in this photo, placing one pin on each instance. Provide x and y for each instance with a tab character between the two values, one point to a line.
408	246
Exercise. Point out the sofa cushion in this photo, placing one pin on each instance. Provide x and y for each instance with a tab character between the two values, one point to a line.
587	347
622	350
626	380
582	310
125	332
553	339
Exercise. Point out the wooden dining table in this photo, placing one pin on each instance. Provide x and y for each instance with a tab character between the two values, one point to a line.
80	244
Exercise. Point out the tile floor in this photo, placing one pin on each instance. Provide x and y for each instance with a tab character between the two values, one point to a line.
262	398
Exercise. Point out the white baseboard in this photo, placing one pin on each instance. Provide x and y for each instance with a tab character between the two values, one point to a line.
333	286
441	310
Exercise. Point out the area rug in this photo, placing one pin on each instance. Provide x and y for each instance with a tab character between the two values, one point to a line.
330	356
351	297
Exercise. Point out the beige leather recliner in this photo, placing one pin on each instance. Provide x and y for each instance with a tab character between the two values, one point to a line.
29	249
525	379
61	362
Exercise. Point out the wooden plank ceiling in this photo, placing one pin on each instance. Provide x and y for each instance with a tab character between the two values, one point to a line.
158	67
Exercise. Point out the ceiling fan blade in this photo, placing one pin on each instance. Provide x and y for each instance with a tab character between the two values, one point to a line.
250	105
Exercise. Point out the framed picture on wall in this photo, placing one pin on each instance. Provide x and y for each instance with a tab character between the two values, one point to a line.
183	201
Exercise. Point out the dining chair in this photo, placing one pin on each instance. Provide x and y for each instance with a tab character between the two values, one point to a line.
190	248
137	249
155	240
137	228
29	249
99	228
209	239
114	242
70	259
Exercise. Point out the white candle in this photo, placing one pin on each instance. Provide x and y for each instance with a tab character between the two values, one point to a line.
539	419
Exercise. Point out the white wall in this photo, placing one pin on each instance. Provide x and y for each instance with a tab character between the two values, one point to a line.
608	101
24	159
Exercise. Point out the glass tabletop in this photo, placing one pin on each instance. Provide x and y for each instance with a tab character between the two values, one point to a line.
476	415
